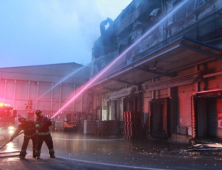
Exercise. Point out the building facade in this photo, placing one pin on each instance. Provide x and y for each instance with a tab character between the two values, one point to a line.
44	87
158	70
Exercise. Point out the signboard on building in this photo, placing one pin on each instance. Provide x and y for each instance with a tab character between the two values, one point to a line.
121	93
173	82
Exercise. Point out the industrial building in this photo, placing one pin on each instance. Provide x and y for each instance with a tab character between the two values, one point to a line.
156	73
45	87
160	70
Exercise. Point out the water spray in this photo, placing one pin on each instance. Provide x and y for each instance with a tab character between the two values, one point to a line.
62	80
104	70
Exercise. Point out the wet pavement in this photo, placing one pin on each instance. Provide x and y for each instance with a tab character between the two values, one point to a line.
74	151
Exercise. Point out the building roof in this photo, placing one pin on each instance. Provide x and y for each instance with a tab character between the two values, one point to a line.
70	72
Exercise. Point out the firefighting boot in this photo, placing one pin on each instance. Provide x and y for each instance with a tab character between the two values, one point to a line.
52	153
22	154
52	156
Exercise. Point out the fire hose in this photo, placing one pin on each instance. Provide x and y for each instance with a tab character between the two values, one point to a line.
15	136
10	140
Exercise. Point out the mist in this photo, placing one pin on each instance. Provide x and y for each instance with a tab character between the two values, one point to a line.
53	31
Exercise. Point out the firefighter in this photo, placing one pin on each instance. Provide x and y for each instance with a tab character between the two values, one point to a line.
28	126
43	134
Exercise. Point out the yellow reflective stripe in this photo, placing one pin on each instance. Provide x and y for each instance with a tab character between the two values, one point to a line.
43	133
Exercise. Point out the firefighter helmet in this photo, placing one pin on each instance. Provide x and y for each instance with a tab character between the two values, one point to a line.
38	112
21	119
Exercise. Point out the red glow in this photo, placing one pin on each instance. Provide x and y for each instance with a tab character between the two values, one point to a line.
4	104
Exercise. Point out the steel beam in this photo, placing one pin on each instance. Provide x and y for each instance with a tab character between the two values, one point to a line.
199	50
152	71
123	81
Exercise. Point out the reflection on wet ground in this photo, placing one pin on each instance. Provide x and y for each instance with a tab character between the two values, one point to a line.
117	151
100	148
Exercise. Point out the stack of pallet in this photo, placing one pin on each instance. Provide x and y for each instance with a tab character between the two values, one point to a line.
131	125
90	127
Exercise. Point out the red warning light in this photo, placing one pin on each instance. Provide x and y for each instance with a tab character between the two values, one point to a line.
3	104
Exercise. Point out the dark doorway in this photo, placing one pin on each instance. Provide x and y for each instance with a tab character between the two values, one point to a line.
159	118
208	112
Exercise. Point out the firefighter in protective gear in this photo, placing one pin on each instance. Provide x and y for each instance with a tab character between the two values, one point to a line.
28	126
43	134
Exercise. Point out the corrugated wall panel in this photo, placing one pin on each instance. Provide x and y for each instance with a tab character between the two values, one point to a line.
44	91
184	94
33	90
2	83
21	90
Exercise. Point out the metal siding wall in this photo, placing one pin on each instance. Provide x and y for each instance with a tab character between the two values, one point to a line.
212	82
10	89
32	91
2	89
44	96
163	93
44	92
43	105
67	94
21	94
184	94
56	96
67	91
184	97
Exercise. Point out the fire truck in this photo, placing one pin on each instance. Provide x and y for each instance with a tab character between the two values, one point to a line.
7	120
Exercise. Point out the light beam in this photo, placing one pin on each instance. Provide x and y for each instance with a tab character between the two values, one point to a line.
104	70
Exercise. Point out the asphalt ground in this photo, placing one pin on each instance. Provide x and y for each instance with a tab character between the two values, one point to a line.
111	154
